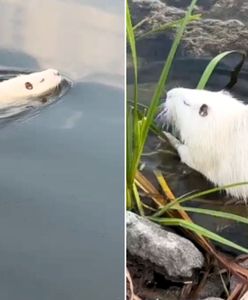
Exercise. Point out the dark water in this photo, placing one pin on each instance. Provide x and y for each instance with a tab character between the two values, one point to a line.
186	72
61	179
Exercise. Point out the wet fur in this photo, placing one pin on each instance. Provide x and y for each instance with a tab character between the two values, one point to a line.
14	93
216	145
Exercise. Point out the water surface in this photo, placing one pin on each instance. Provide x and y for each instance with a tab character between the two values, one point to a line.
61	179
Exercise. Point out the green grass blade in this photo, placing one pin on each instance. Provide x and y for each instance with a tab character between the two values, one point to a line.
138	200
160	88
199	230
167	26
213	213
136	26
132	43
196	195
129	140
211	67
129	203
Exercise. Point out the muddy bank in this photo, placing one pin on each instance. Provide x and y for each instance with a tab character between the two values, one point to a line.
164	265
223	24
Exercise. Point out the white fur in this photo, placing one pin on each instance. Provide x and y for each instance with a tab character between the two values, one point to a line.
216	145
14	93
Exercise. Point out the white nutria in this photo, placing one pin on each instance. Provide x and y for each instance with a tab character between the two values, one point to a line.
213	133
24	89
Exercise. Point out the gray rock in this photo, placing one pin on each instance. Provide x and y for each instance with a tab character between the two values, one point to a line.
177	256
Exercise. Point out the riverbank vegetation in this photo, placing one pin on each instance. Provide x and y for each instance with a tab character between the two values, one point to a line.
166	209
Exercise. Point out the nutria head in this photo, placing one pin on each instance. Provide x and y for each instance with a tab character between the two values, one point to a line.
194	112
23	88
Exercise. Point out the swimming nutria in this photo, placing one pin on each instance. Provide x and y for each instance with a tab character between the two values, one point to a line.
30	91
19	90
213	133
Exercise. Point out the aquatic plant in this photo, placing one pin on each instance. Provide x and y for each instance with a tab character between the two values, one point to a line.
138	128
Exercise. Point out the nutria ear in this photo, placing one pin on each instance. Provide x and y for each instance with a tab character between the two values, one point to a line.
203	111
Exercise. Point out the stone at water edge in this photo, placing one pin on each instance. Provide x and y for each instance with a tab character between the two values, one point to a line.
177	256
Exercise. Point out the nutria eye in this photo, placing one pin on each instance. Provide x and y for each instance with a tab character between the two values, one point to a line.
203	111
28	86
43	79
187	104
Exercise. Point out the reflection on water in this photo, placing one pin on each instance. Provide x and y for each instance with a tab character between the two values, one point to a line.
60	209
61	178
68	35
